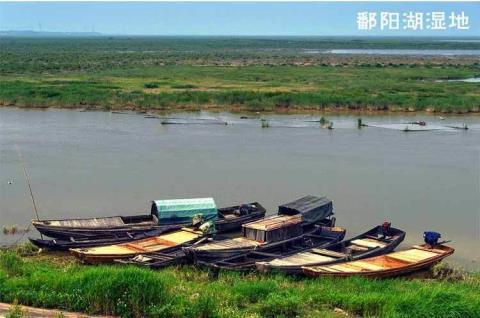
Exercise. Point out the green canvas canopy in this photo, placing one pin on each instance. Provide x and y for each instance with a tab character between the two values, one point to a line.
183	210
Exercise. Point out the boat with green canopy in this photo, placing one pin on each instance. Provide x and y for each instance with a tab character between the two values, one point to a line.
164	215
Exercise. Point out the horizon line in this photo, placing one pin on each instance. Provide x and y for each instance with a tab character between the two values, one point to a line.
100	34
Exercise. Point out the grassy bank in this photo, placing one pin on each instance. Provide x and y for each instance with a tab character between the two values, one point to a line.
232	74
253	88
58	282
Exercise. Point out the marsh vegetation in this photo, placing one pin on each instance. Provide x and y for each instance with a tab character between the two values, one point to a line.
257	74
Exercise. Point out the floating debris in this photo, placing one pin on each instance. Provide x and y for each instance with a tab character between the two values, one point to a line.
14	229
10	229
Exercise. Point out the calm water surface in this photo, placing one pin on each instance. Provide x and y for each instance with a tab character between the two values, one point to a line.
466	80
405	52
85	164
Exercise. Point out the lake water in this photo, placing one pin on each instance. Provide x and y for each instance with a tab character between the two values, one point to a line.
85	164
466	80
400	52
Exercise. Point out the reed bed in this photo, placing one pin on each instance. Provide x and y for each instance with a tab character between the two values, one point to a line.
265	75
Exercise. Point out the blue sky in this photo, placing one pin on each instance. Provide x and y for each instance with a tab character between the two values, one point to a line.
219	18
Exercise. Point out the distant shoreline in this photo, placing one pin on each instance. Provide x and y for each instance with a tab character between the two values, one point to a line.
242	110
237	74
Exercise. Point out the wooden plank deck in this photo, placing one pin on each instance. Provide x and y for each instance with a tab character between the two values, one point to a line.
237	242
369	243
274	222
31	312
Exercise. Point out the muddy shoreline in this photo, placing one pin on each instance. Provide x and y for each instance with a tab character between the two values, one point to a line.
246	110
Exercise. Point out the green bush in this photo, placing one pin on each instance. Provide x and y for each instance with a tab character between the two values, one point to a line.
151	85
10	263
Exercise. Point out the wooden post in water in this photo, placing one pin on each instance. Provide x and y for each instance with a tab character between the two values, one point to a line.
265	123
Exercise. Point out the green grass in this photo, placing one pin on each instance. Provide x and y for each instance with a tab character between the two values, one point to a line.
232	73
23	54
263	88
189	292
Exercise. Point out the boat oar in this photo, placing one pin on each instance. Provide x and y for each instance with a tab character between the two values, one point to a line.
201	240
444	242
27	177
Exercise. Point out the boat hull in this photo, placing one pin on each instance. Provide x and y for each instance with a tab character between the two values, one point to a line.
225	226
198	256
296	269
322	237
385	266
164	243
65	245
107	259
203	256
135	228
65	233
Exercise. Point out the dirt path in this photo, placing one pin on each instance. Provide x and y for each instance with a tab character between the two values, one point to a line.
32	312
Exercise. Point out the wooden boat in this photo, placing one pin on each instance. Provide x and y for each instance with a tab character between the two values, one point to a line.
165	242
419	257
156	260
160	259
292	220
321	237
229	219
102	227
277	229
65	245
379	240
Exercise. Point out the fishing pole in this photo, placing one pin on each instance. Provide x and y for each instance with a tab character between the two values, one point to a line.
27	177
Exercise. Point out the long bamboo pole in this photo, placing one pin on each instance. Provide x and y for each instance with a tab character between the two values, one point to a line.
27	177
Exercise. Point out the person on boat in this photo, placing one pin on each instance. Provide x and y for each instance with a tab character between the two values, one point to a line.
386	226
200	224
244	209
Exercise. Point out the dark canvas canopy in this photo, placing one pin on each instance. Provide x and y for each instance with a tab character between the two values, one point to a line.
312	208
